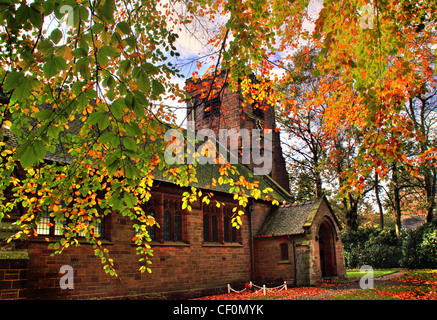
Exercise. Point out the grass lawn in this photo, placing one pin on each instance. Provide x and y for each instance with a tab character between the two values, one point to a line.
354	274
415	285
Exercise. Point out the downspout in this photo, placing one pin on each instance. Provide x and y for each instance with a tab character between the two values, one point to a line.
294	261
252	254
293	246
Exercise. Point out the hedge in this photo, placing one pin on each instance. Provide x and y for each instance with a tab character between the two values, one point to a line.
415	248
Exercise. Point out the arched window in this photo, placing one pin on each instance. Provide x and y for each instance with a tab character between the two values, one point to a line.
177	234
152	229
230	233
172	226
284	251
167	225
51	226
210	224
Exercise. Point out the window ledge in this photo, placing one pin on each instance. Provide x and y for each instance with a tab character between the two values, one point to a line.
56	239
284	262
169	244
218	244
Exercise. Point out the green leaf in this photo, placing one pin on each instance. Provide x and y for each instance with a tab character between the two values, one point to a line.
22	14
97	27
53	132
40	150
102	58
109	51
13	80
37	7
104	122
133	129
149	68
157	87
91	94
53	65
130	200
115	38
32	154
130	172
141	79
124	27
94	117
109	137
124	67
19	84
79	53
117	107
21	149
111	160
82	101
36	18
43	115
130	144
108	9
56	35
99	117
46	47
83	13
48	8
83	66
131	41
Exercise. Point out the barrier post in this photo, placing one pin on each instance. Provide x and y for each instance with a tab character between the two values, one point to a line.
229	288
285	285
264	289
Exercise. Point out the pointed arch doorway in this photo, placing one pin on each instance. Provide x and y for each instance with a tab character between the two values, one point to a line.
328	261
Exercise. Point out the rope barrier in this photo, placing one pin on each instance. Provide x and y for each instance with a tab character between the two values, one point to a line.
251	285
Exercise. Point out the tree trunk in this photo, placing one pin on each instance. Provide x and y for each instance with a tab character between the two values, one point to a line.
430	190
351	208
378	201
319	190
397	200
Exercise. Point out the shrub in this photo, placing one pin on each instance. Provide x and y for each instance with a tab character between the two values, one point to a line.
369	246
419	247
415	248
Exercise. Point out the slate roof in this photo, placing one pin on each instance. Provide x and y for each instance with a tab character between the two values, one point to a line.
204	173
289	219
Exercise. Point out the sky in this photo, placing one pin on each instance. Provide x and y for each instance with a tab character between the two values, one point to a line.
192	46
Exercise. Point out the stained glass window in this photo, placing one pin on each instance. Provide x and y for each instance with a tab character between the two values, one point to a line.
43	227
151	229
210	225
53	227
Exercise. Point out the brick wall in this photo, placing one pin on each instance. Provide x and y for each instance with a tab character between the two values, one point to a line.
269	263
316	274
260	212
234	116
184	268
13	278
303	267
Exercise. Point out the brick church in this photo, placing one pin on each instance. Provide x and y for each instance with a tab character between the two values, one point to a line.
195	252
